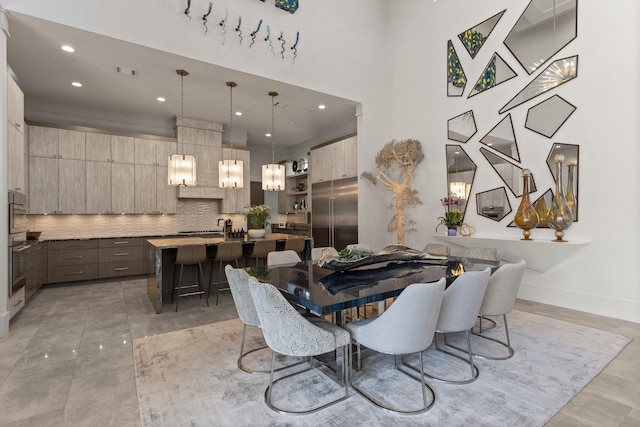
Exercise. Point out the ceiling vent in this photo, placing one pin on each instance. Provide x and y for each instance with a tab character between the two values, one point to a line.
126	71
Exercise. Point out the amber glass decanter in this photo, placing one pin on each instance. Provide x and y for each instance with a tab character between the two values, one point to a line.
560	217
526	216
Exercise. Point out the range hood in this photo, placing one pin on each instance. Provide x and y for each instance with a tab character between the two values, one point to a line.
201	192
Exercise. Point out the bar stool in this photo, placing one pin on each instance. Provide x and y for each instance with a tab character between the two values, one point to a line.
190	256
226	252
296	244
261	248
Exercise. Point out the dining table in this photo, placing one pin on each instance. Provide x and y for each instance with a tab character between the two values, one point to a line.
324	291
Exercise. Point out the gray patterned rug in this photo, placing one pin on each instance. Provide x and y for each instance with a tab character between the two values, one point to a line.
190	378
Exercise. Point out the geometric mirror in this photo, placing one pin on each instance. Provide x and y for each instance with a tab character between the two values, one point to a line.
571	153
508	172
456	79
548	116
474	38
542	31
461	128
497	71
493	204
559	72
460	173
503	139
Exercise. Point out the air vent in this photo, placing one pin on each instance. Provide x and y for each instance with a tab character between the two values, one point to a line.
126	71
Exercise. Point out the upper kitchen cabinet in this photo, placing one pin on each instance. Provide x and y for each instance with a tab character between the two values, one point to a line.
56	171
334	161
15	137
98	147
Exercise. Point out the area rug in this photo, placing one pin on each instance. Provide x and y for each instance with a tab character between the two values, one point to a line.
190	378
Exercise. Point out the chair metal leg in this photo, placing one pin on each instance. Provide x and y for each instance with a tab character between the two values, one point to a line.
201	283
179	287
248	370
507	344
424	386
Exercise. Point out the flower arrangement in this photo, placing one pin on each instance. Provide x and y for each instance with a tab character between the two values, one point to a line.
453	216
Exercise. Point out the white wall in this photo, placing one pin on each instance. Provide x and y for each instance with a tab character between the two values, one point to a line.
597	278
393	61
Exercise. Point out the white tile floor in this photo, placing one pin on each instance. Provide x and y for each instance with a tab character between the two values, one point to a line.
67	360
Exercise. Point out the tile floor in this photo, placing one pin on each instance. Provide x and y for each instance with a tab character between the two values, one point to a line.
67	360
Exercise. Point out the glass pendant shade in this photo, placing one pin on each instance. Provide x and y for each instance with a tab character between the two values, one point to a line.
231	174
182	170
273	177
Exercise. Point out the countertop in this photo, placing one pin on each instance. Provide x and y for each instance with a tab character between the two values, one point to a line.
174	242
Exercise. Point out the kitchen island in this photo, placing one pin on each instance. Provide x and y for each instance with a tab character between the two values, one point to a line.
162	253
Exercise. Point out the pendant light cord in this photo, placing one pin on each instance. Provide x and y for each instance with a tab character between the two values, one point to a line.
273	127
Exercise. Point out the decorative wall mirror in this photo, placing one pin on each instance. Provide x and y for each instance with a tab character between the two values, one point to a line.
461	128
456	79
496	72
559	72
548	116
502	138
473	39
544	28
461	171
571	154
508	172
493	204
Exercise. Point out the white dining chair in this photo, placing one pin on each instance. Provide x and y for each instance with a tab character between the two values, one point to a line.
288	333
407	327
282	259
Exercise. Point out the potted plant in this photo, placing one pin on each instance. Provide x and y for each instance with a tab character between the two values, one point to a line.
452	218
257	216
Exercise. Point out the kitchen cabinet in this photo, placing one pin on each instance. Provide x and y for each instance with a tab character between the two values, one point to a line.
36	271
122	188
15	137
98	147
98	182
337	160
122	149
121	257
145	188
56	171
72	260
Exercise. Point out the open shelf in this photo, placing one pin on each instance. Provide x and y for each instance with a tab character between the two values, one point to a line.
540	255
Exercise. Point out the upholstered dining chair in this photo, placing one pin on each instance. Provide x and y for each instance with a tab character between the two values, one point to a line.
407	327
437	249
282	259
225	252
317	253
190	256
458	313
261	248
499	300
288	333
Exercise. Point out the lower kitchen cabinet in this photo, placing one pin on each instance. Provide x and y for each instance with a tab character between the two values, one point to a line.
121	257
36	271
72	260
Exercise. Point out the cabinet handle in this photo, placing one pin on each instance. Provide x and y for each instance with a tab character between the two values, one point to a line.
121	254
18	125
75	273
121	269
74	257
120	243
17	303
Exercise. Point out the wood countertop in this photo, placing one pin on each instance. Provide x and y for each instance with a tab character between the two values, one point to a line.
174	242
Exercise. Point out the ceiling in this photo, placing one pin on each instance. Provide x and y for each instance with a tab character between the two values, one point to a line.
45	73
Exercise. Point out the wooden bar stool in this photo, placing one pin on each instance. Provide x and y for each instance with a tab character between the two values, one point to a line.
190	256
261	248
226	252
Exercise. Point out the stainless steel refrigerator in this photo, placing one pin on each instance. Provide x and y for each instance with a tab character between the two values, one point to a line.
335	213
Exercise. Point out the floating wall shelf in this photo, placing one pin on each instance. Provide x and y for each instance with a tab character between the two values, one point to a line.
540	255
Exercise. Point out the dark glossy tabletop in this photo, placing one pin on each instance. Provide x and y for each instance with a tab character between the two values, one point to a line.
324	291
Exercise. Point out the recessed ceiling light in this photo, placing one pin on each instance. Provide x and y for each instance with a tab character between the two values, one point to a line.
68	48
76	84
238	113
161	99
267	135
322	106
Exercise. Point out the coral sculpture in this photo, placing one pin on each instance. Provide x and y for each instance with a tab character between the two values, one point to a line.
396	162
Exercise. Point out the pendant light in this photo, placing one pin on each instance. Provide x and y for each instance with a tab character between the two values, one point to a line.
272	173
182	168
230	172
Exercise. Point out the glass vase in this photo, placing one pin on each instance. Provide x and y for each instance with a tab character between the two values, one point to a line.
560	217
570	195
526	216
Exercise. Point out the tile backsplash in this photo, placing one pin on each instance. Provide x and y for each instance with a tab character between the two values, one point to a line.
192	214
